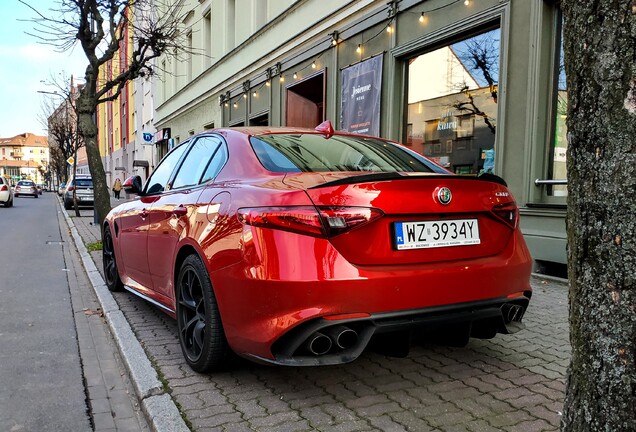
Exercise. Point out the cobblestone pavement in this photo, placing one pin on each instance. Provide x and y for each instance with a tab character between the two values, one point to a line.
510	383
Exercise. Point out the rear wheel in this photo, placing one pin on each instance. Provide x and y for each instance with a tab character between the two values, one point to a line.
111	274
199	324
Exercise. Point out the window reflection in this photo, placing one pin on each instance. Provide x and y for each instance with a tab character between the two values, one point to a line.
452	103
559	145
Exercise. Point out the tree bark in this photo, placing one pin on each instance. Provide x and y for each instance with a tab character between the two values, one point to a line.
600	55
86	110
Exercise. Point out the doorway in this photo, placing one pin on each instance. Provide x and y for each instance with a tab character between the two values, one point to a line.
305	104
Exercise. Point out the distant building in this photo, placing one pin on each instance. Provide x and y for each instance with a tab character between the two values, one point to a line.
24	157
124	125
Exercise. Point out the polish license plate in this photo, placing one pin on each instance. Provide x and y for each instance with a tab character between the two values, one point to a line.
437	233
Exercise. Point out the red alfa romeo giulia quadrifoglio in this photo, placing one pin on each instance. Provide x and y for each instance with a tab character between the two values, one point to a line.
303	247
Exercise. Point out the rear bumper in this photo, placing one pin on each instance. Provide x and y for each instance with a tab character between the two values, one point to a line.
5	196
266	297
480	319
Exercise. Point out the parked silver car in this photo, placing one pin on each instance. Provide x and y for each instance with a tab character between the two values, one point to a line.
83	186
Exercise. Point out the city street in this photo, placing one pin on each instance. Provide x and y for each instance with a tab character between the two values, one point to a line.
58	365
510	383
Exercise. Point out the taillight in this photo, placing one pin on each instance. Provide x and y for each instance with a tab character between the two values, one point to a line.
4	188
70	188
317	222
508	213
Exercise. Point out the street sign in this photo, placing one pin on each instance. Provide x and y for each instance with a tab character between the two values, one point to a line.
70	160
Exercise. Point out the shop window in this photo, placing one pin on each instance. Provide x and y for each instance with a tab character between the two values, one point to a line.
452	102
558	148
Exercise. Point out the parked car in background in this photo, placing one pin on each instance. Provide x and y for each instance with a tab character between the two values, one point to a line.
6	192
61	189
302	247
26	187
83	186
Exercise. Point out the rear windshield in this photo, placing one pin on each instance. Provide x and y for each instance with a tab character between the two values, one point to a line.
314	153
84	183
26	183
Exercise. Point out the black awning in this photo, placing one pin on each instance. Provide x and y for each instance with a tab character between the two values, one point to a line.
141	163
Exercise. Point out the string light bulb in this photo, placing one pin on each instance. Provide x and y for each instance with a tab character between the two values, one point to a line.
313	65
295	75
282	78
268	83
255	93
227	104
235	105
389	29
422	19
359	49
244	95
467	2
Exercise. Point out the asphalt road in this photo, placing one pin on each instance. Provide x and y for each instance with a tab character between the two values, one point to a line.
40	370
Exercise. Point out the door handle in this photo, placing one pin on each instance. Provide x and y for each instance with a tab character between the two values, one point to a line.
180	211
143	214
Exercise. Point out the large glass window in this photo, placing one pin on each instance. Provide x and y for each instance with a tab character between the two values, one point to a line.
452	103
559	145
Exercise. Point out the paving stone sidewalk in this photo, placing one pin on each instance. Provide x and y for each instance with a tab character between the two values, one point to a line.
509	383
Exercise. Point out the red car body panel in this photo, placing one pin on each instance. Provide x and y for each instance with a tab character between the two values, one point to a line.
268	282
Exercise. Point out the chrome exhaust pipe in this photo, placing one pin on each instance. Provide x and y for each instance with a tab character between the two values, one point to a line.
512	312
342	336
318	344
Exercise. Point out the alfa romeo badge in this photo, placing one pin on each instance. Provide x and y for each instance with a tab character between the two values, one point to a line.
444	195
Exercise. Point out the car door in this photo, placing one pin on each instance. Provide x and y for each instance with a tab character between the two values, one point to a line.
134	224
174	214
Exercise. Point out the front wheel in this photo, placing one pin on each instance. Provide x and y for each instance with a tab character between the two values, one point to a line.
199	324
111	274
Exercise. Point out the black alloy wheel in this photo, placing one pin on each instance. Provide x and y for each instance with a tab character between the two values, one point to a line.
113	282
199	324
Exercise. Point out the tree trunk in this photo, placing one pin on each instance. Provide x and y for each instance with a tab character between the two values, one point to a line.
88	130
600	54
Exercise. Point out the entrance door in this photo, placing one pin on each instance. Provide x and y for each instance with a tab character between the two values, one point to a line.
306	102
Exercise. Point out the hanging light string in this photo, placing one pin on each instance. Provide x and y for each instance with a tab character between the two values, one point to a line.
271	72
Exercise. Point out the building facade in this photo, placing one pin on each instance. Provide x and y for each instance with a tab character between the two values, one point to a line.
24	157
477	85
125	124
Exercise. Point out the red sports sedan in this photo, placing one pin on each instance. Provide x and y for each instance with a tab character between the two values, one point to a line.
303	247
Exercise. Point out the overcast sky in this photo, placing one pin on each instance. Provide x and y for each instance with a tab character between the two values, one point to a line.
24	63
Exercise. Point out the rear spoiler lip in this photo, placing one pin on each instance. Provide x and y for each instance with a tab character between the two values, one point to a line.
386	176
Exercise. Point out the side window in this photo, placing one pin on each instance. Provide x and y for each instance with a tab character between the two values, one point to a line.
218	161
196	162
160	177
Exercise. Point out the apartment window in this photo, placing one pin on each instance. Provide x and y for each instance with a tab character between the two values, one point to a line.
189	58
207	38
230	25
260	13
452	102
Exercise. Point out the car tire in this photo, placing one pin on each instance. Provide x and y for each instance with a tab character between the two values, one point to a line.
16	195
111	273
36	196
201	334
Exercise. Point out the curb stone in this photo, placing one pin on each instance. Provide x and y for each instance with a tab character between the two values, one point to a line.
161	412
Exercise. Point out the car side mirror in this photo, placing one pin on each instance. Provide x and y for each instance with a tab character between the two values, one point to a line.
132	185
